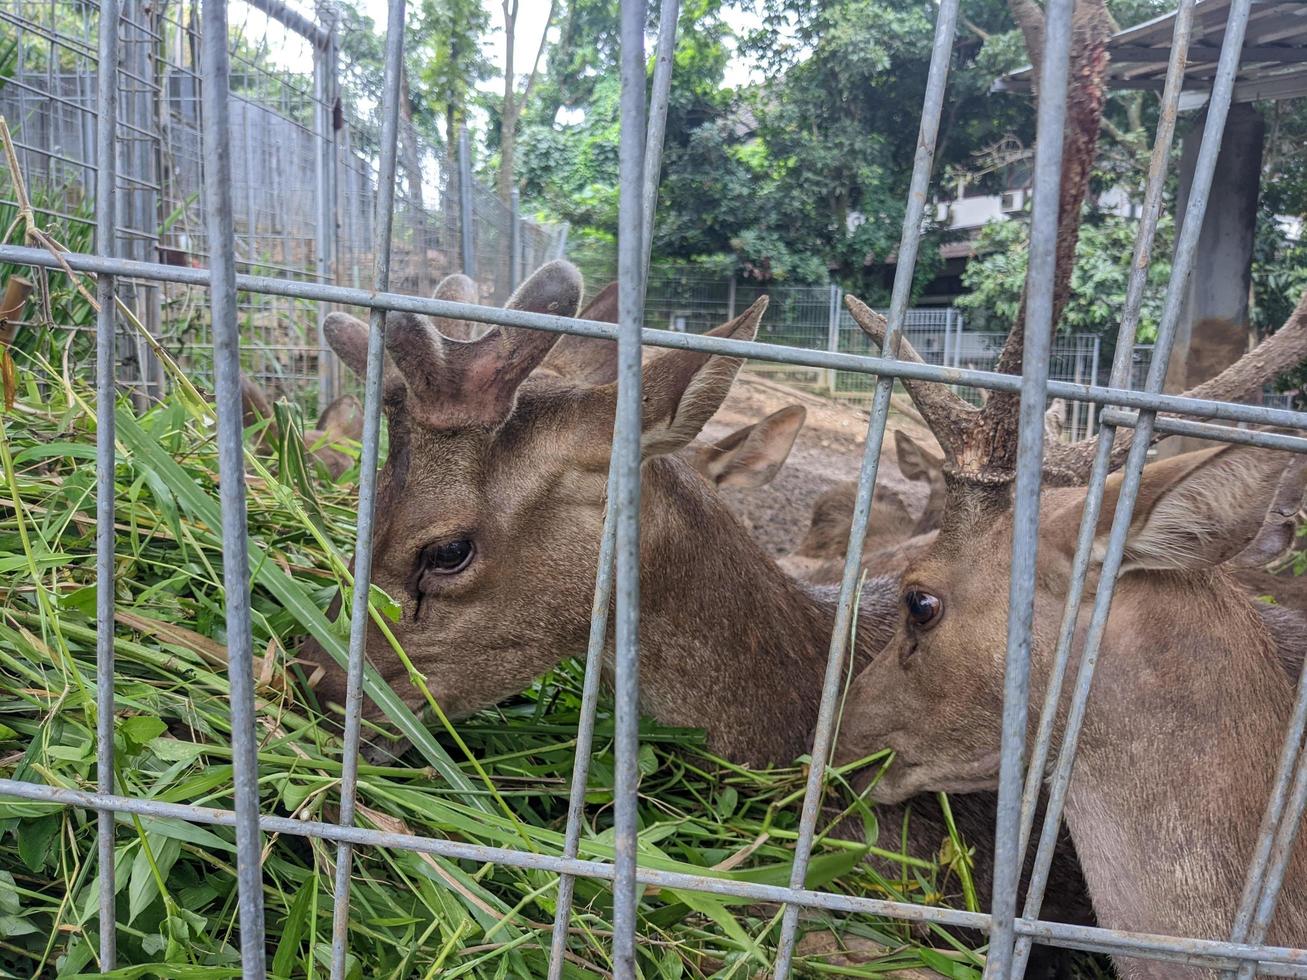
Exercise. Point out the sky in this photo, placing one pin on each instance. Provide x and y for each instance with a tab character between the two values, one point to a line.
531	21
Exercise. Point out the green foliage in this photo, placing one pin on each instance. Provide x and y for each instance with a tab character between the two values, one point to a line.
499	780
996	278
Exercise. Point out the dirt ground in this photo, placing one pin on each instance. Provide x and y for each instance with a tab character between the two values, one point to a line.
828	451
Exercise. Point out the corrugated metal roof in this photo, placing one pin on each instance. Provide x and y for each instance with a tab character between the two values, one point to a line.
1273	66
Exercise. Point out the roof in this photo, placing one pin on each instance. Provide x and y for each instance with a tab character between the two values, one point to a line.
1273	66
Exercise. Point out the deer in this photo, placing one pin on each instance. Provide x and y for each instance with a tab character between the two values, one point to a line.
1184	727
824	546
339	422
492	499
901	512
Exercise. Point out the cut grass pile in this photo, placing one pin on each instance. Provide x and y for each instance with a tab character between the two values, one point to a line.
499	779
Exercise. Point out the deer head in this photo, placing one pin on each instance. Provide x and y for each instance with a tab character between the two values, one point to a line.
492	496
750	456
935	693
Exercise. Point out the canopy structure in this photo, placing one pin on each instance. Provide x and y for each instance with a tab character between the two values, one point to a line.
1214	327
1274	63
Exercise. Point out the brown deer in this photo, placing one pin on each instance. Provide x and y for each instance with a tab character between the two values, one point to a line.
492	501
892	521
340	421
1191	698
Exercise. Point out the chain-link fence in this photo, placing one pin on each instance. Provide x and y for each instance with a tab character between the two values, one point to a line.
304	173
693	300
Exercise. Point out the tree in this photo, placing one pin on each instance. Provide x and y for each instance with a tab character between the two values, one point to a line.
512	104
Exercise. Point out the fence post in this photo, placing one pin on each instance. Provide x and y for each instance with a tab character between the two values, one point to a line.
948	337
730	297
957	341
466	216
139	155
324	94
1093	380
833	331
515	241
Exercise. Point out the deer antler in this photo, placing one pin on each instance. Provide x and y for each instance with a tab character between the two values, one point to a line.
456	385
980	445
1068	464
948	416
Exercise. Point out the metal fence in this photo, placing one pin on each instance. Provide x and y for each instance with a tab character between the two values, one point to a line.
1010	934
304	178
687	299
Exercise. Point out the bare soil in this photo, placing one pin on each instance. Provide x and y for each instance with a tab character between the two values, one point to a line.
828	451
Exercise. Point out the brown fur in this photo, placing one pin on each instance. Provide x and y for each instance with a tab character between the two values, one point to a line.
1189	706
340	421
729	643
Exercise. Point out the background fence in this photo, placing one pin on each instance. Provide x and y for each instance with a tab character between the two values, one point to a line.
691	300
304	178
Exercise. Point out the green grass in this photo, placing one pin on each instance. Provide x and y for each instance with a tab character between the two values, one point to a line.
500	779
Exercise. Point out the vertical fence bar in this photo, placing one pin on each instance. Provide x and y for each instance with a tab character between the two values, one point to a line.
105	535
216	79
383	222
586	726
466	213
832	330
923	161
626	462
607	545
324	95
1121	368
658	100
1025	512
515	240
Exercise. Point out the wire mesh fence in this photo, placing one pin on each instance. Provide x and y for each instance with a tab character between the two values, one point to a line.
1246	951
691	300
304	178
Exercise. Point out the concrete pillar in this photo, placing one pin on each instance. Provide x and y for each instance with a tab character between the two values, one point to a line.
1214	329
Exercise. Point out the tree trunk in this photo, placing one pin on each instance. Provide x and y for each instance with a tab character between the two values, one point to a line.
508	127
408	148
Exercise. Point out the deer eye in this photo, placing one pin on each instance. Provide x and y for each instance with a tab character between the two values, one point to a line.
923	608
448	557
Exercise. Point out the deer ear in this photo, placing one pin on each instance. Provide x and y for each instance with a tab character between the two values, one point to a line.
342	419
915	461
588	360
684	389
1199	509
753	455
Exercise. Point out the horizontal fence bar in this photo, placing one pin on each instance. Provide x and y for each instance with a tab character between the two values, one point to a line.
1209	430
1271	960
858	363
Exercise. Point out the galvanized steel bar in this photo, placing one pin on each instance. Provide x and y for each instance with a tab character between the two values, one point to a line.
231	469
626	463
324	94
383	222
105	534
910	240
1208	430
1182	267
1278	960
670	339
594	656
1276	836
466	212
1038	328
658	101
1120	378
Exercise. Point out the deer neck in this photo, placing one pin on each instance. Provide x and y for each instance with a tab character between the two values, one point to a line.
729	642
1176	762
